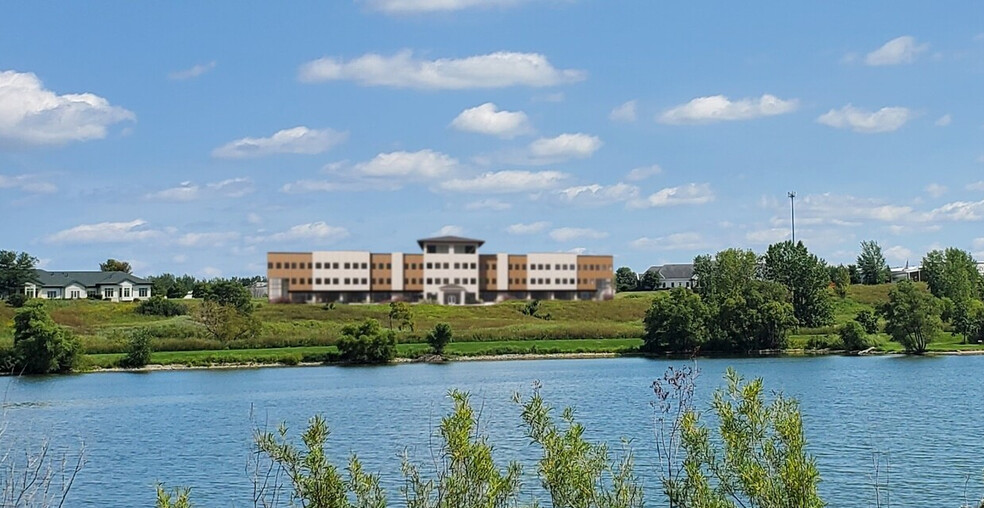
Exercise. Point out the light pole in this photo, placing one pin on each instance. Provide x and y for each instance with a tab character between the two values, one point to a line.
792	213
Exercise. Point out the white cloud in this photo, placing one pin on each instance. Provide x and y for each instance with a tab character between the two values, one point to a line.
962	211
643	173
565	146
192	72
676	241
216	239
568	234
488	204
898	254
690	194
719	108
844	210
297	140
27	183
423	163
488	119
33	115
188	191
506	182
868	122
105	232
599	194
403	70
527	229
768	236
449	231
943	121
210	272
625	112
900	50
978	186
423	6
314	231
935	190
254	218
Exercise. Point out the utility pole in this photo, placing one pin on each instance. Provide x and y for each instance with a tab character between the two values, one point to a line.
792	213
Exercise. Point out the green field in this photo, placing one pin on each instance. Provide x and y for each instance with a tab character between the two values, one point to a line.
303	333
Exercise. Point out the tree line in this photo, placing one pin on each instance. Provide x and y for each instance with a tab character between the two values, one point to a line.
742	302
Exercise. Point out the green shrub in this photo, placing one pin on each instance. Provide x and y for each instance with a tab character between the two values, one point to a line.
818	342
439	337
159	306
40	345
853	336
138	350
367	343
17	300
868	320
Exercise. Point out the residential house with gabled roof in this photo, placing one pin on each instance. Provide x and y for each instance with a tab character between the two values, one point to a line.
674	275
112	286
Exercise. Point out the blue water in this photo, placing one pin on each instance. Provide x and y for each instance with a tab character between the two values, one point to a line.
922	415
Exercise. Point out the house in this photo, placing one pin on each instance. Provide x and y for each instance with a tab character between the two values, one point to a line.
447	269
112	286
674	275
913	273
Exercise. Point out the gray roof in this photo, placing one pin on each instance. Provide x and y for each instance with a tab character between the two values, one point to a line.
677	271
449	239
45	278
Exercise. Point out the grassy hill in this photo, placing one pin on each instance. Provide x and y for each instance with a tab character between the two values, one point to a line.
292	333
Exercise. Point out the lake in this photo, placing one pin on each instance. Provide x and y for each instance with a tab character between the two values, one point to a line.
193	427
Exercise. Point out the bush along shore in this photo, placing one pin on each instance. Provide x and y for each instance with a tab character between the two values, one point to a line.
785	301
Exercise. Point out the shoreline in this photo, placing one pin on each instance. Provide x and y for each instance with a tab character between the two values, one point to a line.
506	357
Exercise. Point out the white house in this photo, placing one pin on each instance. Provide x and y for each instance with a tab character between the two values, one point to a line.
674	276
112	286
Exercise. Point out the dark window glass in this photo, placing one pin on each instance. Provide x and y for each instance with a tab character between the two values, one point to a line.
432	249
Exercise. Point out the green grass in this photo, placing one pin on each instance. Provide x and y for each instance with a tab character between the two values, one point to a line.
294	355
301	332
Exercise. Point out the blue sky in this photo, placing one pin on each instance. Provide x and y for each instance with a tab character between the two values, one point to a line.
194	137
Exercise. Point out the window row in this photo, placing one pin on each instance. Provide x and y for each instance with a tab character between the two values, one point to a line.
331	282
446	280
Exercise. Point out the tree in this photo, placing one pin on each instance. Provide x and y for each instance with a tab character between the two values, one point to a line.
367	343
871	264
226	323
676	323
841	278
625	280
726	274
868	320
952	273
968	320
440	337
113	265
157	305
912	317
170	286
40	345
228	293
16	270
758	458
402	314
649	280
806	278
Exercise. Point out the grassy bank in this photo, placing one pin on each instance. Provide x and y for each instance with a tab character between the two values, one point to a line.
295	355
302	333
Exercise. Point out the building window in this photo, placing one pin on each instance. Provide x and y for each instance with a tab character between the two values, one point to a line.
432	249
389	281
430	266
142	292
75	293
445	280
334	281
348	282
126	292
334	266
317	281
318	265
474	266
389	266
293	281
469	249
524	266
310	281
493	266
348	266
474	281
457	266
446	265
457	281
109	293
52	294
88	292
364	281
278	266
269	265
310	266
430	281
